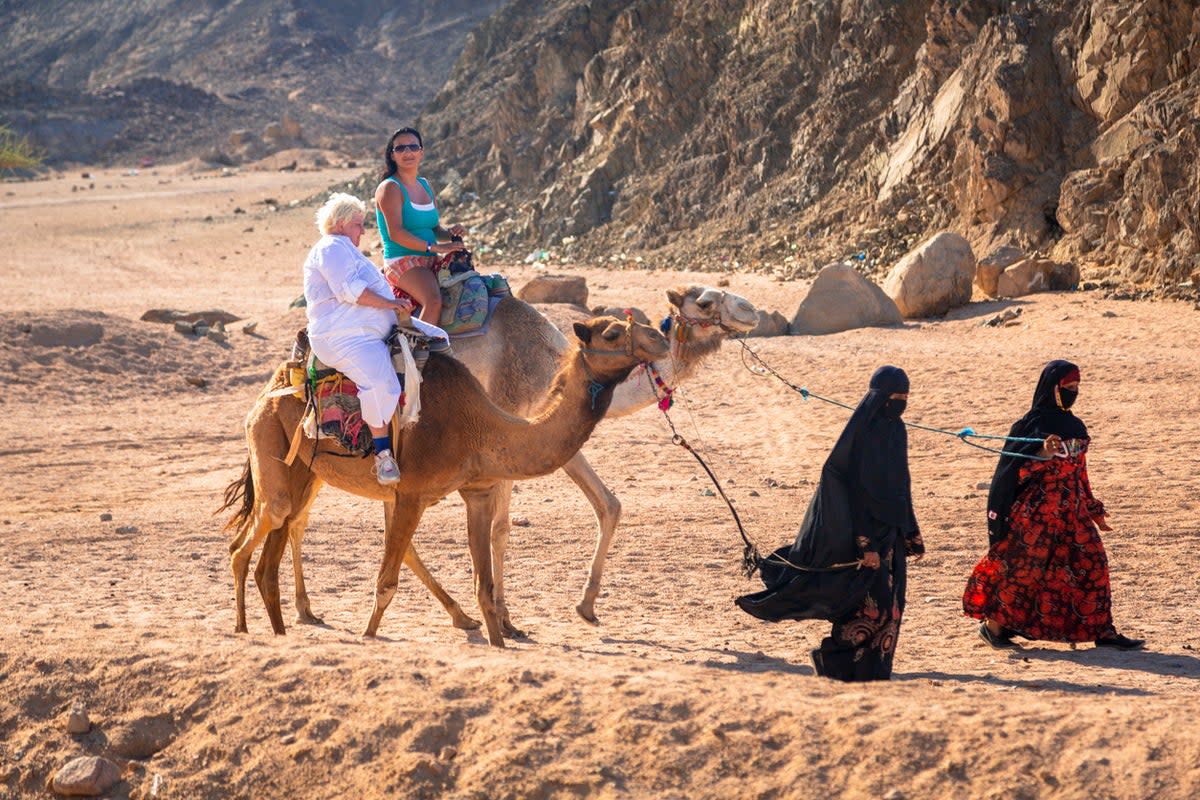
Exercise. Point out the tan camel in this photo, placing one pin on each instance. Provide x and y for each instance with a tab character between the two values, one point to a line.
463	442
515	360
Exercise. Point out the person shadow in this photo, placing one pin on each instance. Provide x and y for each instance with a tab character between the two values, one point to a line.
1172	665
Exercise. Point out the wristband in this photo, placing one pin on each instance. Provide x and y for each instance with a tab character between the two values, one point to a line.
428	248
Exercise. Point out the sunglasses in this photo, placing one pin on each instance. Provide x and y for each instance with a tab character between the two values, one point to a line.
400	148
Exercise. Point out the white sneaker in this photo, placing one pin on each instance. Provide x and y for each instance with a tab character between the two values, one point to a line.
386	470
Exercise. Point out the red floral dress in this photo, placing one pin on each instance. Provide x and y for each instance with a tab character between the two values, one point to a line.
1048	579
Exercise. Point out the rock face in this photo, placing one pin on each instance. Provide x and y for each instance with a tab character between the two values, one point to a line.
700	130
840	300
933	278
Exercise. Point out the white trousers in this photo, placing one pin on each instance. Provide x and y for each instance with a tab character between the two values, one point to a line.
363	358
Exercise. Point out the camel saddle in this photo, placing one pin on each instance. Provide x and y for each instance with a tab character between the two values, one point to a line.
332	398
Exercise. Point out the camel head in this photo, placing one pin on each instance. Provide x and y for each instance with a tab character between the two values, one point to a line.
612	347
705	308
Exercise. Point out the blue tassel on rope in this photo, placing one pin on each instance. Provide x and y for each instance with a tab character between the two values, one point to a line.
965	432
804	392
594	389
665	325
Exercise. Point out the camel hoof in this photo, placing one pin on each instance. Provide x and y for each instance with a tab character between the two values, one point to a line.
467	624
309	619
588	615
511	631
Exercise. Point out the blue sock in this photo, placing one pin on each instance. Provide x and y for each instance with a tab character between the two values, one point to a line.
382	443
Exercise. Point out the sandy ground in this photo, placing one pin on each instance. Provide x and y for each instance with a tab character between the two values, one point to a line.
676	694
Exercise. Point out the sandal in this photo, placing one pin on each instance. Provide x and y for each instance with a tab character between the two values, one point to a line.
1002	639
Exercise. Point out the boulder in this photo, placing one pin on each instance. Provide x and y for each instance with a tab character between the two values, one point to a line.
555	289
88	776
841	299
987	271
1031	275
770	324
933	278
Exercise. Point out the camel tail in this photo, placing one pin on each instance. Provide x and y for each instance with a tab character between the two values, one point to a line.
240	491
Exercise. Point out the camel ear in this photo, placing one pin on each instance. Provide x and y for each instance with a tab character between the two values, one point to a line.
675	296
583	332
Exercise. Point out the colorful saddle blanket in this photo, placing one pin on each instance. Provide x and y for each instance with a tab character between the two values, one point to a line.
334	409
466	294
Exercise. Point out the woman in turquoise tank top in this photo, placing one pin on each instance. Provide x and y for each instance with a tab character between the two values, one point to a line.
414	240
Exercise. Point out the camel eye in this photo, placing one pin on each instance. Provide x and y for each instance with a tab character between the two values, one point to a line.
612	332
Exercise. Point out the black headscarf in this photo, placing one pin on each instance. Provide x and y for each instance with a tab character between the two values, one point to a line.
864	491
1045	416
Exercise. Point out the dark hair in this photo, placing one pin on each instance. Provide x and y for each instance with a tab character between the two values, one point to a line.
389	163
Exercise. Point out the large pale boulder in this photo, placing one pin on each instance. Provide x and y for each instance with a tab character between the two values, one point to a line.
933	278
841	299
1031	275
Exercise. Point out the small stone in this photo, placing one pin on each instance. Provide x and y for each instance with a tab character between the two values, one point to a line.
127	529
216	335
520	522
894	794
249	327
1109	314
196	381
106	517
77	720
184	327
288	738
447	753
984	485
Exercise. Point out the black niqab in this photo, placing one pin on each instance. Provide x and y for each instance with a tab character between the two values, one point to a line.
1043	418
864	491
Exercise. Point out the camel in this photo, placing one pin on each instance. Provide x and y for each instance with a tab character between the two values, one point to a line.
515	361
463	442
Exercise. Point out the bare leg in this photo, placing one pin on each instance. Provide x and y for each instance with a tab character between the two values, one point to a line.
422	285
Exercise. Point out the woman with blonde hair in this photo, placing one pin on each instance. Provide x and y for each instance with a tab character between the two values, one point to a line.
351	309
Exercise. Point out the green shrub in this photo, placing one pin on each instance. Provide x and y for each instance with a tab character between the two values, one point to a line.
16	153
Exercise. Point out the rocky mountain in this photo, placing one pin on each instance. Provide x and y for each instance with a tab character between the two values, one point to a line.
109	80
783	134
773	135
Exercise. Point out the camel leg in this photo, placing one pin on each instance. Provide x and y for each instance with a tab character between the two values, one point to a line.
295	529
457	615
266	575
608	514
272	510
481	509
403	514
501	525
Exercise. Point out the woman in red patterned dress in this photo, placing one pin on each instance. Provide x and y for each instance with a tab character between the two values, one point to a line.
1046	573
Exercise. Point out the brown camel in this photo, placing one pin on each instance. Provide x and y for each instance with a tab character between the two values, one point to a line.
463	442
515	361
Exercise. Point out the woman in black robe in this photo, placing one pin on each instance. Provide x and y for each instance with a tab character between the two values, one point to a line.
847	564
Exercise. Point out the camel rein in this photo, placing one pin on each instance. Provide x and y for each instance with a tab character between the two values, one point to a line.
762	368
752	560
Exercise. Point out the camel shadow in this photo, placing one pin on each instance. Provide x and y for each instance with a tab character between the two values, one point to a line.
756	662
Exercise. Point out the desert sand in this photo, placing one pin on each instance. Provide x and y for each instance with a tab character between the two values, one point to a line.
116	595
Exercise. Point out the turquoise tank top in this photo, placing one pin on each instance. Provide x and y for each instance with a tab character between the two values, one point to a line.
419	221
